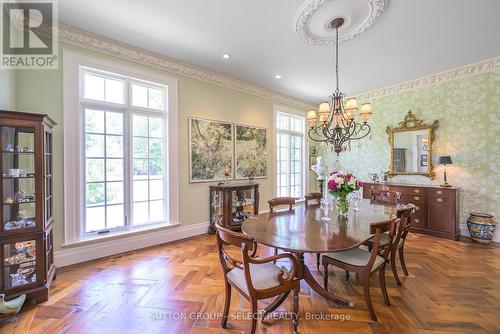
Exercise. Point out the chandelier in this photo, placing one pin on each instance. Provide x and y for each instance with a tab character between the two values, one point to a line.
337	124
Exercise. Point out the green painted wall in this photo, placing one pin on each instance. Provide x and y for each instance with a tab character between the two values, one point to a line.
41	91
7	89
468	111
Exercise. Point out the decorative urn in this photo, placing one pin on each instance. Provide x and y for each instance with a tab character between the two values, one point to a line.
481	227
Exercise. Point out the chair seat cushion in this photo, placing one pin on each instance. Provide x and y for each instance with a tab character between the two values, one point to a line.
264	276
356	257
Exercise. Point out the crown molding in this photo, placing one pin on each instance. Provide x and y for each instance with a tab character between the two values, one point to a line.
90	41
490	65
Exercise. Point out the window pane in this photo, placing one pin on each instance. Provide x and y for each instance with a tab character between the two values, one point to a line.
155	189
140	147
93	87
155	98
156	211
155	148
155	168
95	194
114	193
140	125
139	96
114	169
95	170
141	213
94	121
114	123
114	91
155	127
114	146
282	122
94	146
115	216
140	191
140	169
95	219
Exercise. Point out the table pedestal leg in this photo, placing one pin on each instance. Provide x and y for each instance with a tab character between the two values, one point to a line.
304	273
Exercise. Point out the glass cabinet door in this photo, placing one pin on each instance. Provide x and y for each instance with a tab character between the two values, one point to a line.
48	177
20	262
242	205
18	178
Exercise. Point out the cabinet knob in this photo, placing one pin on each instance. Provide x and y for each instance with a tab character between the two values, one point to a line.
440	200
416	198
417	191
439	192
417	208
416	220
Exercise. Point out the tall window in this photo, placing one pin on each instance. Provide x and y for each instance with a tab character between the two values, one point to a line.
290	155
124	145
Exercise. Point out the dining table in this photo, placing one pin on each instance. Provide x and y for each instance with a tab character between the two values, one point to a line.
309	230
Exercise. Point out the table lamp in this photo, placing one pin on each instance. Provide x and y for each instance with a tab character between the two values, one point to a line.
445	160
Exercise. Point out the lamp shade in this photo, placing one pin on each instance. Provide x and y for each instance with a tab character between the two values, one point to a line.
444	160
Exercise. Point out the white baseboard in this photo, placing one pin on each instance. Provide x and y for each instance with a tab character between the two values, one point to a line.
87	252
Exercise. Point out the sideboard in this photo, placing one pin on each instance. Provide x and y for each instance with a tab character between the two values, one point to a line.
436	207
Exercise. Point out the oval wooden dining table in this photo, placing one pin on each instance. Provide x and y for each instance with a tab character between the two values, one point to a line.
303	231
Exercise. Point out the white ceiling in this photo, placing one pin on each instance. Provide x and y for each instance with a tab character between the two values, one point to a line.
412	39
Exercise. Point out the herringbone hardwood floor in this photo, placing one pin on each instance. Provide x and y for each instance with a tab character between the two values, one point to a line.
453	287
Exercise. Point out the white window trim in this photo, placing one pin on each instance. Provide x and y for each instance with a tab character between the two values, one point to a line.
305	163
73	171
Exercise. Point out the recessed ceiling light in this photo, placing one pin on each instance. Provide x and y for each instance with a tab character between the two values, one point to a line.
226	56
278	76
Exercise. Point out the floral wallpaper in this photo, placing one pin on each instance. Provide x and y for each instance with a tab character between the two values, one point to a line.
468	111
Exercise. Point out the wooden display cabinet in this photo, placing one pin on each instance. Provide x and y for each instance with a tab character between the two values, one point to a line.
232	204
26	238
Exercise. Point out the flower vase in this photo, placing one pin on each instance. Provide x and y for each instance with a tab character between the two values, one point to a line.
342	206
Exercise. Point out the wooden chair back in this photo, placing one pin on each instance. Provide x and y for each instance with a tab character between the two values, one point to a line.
313	197
279	201
406	215
384	197
391	226
227	238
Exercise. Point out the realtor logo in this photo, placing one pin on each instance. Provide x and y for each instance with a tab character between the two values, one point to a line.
28	28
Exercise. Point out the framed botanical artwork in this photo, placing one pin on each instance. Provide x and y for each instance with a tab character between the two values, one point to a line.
210	150
250	149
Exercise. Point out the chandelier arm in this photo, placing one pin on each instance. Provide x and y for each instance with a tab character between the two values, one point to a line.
363	126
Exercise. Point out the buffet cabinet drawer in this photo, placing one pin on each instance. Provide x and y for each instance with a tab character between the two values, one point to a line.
442	192
413	199
440	200
416	191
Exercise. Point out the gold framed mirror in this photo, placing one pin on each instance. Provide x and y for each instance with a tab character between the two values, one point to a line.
411	147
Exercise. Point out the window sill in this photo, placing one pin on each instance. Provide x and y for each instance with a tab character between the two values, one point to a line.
118	235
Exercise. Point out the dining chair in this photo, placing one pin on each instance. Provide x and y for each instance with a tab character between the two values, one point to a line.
255	278
406	215
365	262
313	197
384	197
280	201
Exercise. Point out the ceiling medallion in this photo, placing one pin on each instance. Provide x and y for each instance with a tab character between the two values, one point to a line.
312	18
